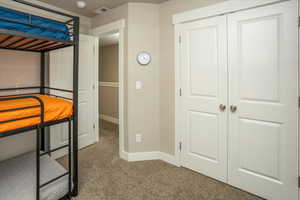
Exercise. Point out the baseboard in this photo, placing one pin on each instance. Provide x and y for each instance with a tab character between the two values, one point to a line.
171	159
154	155
142	156
124	155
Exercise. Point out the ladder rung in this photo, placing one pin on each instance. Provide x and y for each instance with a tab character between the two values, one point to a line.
53	150
47	183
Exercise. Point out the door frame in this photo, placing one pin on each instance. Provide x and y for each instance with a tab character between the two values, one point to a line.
116	26
198	14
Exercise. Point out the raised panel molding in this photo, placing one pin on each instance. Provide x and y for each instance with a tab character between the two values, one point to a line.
204	142
263	86
204	53
260	141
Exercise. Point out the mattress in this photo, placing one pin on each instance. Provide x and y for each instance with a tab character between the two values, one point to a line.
18	178
54	109
23	17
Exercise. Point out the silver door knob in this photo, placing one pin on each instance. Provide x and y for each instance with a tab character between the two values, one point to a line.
233	109
222	107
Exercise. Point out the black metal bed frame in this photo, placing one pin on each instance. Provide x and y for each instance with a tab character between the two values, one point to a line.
42	45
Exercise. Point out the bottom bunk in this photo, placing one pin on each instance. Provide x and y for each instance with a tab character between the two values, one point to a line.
18	178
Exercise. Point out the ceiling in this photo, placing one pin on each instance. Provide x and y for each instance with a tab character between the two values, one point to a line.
92	5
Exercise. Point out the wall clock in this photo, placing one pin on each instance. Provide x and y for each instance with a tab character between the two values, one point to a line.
143	58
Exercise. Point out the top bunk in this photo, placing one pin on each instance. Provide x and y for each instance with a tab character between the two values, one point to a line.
28	32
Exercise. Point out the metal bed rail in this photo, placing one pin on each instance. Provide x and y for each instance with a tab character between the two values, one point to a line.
69	23
39	128
41	105
36	88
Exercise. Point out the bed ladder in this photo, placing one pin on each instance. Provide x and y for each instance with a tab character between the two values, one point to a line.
39	155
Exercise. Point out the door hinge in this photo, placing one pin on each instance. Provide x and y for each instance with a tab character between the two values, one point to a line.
180	92
298	21
299	102
299	182
94	126
180	146
180	39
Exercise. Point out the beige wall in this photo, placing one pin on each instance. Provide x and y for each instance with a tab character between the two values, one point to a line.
109	104
167	67
143	117
109	63
24	71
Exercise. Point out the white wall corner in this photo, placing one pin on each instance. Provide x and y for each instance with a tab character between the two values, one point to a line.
154	155
168	158
142	156
123	155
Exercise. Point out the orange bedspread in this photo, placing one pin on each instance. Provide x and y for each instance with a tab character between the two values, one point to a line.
55	109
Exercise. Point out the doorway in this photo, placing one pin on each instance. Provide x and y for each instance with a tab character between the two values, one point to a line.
109	88
111	82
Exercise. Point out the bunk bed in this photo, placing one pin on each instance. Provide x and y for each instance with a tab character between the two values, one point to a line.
36	175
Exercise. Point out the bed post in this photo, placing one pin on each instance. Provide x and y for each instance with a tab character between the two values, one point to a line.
75	102
42	91
43	73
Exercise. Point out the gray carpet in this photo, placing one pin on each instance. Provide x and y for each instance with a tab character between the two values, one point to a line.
104	176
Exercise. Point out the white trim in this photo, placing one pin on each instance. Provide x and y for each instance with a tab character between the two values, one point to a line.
153	155
117	26
109	119
108	28
96	91
109	84
143	156
177	95
220	8
124	155
168	159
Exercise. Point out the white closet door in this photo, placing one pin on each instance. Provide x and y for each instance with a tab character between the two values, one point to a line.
61	76
204	84
263	131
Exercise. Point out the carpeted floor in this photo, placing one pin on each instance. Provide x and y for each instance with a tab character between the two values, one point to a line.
104	176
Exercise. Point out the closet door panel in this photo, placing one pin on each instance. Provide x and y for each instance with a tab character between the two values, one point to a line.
204	68
263	76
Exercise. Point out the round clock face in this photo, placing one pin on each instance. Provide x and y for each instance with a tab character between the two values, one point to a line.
144	58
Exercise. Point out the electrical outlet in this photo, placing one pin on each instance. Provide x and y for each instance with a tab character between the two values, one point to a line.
138	138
